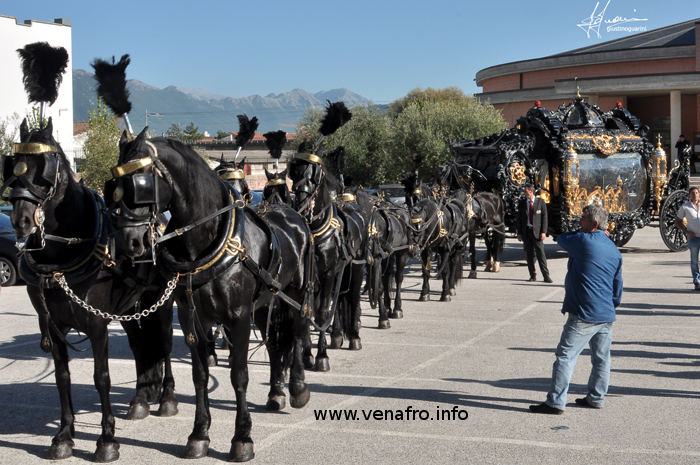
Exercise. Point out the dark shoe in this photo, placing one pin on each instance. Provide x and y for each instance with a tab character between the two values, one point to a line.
532	278
583	402
697	286
544	408
548	280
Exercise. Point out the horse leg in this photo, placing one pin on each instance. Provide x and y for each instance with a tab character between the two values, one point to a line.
425	271
307	356
445	259
472	252
354	311
454	259
299	392
400	260
198	441
321	355
168	400
107	447
382	293
274	342
138	407
241	443
62	444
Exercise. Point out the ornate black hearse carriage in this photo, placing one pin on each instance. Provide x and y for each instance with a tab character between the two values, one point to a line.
577	155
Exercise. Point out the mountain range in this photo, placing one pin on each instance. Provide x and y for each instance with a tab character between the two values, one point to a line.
209	112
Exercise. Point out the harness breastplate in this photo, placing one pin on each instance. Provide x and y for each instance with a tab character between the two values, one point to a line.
78	269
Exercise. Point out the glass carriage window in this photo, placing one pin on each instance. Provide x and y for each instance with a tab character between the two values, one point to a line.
618	182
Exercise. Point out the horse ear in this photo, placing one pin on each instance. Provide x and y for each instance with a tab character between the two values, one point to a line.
268	175
124	139
49	126
142	135
283	174
222	157
24	130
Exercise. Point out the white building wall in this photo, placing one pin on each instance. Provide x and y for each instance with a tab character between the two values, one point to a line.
13	101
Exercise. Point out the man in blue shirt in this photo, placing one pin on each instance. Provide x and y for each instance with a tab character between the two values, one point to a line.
593	290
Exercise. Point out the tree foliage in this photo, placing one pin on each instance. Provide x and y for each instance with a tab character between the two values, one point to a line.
379	145
101	147
175	132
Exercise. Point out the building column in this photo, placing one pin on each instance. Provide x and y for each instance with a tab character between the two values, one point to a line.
675	122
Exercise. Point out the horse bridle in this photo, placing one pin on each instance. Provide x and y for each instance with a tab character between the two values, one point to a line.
309	184
235	174
16	172
143	174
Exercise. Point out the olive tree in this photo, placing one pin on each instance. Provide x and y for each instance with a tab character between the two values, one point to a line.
101	147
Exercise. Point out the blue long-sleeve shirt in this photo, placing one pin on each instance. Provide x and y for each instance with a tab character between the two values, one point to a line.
594	279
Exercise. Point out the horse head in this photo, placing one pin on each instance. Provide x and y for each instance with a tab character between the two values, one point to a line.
275	190
308	176
233	173
38	176
423	218
140	190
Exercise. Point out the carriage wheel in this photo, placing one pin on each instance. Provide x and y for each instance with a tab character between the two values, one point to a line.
622	238
673	237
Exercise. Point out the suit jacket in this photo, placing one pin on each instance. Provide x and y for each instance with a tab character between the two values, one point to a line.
539	217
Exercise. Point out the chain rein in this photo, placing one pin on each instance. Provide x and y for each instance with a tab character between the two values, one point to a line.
170	287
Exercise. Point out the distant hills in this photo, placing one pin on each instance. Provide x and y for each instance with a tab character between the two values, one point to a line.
209	112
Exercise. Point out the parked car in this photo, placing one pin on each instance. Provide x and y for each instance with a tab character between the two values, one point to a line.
393	192
8	252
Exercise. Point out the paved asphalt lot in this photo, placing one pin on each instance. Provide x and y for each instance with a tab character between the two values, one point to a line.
489	352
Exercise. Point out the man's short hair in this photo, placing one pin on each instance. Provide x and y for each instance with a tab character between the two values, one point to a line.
527	185
597	213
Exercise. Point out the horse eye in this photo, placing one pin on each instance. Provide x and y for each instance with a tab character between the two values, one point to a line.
20	169
118	194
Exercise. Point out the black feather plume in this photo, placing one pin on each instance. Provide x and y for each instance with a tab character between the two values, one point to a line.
336	115
246	129
43	67
111	79
275	140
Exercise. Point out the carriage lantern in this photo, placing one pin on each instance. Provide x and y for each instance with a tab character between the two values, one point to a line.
658	172
571	176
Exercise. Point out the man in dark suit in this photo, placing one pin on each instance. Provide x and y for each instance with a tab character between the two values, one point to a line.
532	229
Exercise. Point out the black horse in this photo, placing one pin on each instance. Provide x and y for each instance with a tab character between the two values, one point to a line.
389	246
233	173
339	237
229	262
484	211
436	227
67	252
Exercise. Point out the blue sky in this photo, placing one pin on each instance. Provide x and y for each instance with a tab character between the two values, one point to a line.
379	49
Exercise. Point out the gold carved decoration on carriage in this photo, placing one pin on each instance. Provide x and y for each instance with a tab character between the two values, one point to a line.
606	143
613	199
517	172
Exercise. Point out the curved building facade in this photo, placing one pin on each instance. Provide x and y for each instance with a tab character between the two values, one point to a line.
655	74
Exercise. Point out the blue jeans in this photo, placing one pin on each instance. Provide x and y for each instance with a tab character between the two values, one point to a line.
576	334
694	246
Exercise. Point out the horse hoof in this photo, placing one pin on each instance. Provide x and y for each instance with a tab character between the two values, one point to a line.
384	324
397	314
276	402
445	298
107	452
196	449
168	408
241	451
472	275
309	362
212	361
424	298
496	267
487	268
322	364
336	341
60	450
453	292
356	344
137	411
301	398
